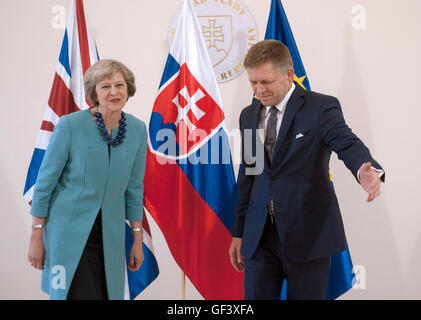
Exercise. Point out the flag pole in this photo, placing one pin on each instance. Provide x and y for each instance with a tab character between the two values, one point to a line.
183	285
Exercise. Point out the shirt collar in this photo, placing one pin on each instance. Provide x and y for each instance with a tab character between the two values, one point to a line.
282	105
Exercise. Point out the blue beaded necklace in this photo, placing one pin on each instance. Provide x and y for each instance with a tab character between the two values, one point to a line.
121	129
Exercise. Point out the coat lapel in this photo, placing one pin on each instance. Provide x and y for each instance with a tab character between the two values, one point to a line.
255	117
294	104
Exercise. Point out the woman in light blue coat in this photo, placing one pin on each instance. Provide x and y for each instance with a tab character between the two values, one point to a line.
89	183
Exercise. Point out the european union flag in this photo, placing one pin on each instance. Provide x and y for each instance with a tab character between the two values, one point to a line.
278	29
341	274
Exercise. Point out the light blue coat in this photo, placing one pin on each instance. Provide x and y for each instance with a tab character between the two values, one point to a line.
76	179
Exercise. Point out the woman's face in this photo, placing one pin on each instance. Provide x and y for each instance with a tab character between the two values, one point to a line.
112	92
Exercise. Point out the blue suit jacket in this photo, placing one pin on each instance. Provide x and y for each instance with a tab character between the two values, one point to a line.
307	213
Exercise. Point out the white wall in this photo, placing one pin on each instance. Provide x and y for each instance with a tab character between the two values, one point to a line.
374	72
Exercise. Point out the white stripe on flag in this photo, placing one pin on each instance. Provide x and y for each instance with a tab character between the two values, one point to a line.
126	284
28	195
164	85
61	71
189	35
43	139
147	240
71	25
77	77
76	80
50	116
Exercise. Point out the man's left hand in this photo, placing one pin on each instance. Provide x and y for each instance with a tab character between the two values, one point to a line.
370	181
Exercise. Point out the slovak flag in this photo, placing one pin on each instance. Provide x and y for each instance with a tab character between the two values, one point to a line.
78	53
189	180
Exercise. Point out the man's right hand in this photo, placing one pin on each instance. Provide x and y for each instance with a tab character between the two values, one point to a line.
237	260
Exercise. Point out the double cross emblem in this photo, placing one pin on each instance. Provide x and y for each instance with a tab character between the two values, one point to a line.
190	106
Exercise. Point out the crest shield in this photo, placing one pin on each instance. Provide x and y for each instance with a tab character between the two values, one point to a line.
218	35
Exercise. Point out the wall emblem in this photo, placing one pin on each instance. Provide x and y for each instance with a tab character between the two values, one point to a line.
229	30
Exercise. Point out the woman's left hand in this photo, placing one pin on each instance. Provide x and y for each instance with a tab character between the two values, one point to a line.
136	257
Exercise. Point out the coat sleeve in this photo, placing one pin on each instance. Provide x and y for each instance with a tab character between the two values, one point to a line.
245	184
340	138
52	165
134	191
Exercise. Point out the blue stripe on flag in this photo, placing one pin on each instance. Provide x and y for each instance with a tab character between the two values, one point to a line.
171	68
36	160
341	277
278	28
212	176
64	54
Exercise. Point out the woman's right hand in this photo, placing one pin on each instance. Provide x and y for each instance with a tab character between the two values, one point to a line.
36	254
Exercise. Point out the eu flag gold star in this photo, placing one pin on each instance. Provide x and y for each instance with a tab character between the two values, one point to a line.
300	80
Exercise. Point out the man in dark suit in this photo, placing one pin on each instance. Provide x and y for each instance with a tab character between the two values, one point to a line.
287	220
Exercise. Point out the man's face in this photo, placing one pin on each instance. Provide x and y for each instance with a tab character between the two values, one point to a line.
270	84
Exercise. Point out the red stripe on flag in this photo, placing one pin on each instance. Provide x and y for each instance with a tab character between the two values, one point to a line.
198	240
47	126
61	99
83	36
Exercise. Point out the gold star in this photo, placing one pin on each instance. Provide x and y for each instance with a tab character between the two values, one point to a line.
300	81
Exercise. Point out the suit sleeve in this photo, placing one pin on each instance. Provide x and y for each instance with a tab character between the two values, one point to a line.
340	138
245	184
52	165
134	190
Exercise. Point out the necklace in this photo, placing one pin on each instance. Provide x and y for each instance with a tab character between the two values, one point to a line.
121	129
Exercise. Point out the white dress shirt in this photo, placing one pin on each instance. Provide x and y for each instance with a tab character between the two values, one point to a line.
265	114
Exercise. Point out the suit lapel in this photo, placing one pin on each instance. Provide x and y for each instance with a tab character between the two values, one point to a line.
255	117
294	104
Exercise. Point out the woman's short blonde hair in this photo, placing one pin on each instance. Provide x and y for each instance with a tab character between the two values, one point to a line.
103	69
